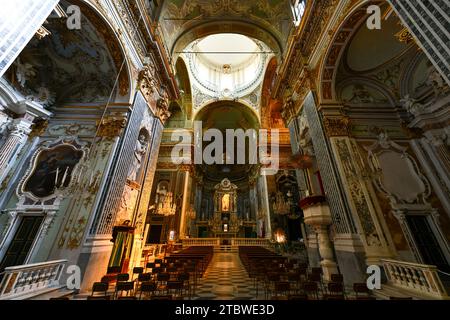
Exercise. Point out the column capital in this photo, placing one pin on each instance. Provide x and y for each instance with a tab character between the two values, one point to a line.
20	127
112	126
337	126
186	167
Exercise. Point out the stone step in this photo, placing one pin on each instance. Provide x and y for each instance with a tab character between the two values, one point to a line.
388	290
56	293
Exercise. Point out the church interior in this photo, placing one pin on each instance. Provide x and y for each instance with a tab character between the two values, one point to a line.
336	185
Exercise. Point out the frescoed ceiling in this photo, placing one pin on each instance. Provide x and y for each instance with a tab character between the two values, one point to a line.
183	21
68	65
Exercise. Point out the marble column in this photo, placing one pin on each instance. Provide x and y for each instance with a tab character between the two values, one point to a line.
266	207
185	204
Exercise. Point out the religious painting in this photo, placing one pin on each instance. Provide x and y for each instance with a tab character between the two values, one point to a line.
53	169
226	202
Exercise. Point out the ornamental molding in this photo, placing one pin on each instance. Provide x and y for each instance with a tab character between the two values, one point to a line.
111	126
337	127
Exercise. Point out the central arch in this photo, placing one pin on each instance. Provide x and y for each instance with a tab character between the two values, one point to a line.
229	108
250	30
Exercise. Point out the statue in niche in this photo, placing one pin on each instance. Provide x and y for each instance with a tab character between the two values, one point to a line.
161	193
53	169
226	202
139	153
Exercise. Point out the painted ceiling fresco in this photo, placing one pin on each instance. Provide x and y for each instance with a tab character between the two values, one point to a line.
65	66
271	16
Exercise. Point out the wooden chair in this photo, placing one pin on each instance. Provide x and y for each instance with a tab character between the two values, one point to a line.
361	288
270	280
294	280
303	273
282	287
311	288
185	278
161	280
105	279
175	288
337	278
99	287
127	286
144	277
150	265
147	288
335	289
123	277
138	271
316	277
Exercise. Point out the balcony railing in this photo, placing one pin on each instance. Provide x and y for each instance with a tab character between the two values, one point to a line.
21	282
423	279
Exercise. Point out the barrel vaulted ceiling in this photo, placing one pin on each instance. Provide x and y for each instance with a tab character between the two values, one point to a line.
183	21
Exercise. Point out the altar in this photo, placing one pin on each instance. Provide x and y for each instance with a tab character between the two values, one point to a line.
225	222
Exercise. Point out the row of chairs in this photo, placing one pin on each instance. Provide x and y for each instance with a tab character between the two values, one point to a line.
175	277
280	277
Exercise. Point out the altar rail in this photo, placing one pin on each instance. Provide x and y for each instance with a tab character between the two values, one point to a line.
205	242
215	242
249	242
421	278
21	282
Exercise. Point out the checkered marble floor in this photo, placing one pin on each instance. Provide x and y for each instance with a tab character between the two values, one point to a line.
226	279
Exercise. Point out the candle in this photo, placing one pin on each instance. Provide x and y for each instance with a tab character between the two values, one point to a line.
57	174
64	177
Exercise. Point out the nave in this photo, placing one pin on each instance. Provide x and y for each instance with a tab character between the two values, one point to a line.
136	149
244	273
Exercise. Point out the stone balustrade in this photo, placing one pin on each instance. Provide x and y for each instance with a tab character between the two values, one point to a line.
419	278
205	242
250	242
238	242
25	281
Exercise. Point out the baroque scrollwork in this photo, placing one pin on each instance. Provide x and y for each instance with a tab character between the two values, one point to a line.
335	127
